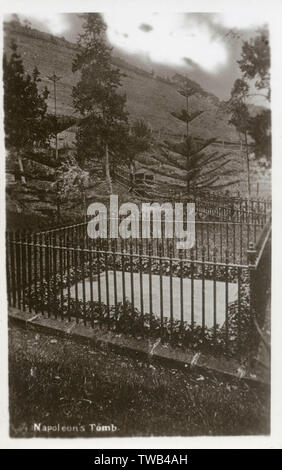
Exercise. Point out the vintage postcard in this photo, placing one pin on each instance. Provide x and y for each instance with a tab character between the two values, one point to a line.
139	146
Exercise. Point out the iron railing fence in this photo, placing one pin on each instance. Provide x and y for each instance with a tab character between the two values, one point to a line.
206	297
259	256
225	199
189	302
232	210
219	204
232	236
212	205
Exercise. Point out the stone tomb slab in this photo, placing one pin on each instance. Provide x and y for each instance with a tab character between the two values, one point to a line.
198	288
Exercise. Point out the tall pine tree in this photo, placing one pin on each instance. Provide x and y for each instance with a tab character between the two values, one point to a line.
255	67
24	108
198	174
240	118
96	96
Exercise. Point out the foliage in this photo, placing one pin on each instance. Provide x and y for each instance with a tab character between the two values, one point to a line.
240	118
197	174
142	133
238	107
49	296
96	94
58	124
138	140
197	171
25	107
71	181
255	60
70	178
259	128
255	65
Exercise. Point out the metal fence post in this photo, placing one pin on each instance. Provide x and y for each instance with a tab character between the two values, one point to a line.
251	257
8	268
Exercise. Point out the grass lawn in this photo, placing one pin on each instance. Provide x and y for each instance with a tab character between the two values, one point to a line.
69	386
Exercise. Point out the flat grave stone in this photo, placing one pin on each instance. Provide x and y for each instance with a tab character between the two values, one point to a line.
220	288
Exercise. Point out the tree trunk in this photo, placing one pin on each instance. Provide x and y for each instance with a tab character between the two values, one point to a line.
188	157
84	206
58	211
20	162
107	169
132	174
113	168
248	165
188	180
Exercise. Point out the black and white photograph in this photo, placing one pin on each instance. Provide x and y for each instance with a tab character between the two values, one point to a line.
138	207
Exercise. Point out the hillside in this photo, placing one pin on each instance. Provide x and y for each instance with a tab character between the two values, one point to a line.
150	97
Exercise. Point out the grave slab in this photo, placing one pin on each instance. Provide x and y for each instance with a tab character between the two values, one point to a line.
208	286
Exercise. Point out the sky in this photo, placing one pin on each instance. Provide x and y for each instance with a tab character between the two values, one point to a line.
204	46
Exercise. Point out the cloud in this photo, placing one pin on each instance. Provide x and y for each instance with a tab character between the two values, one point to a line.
190	62
240	20
172	38
54	23
146	28
204	44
